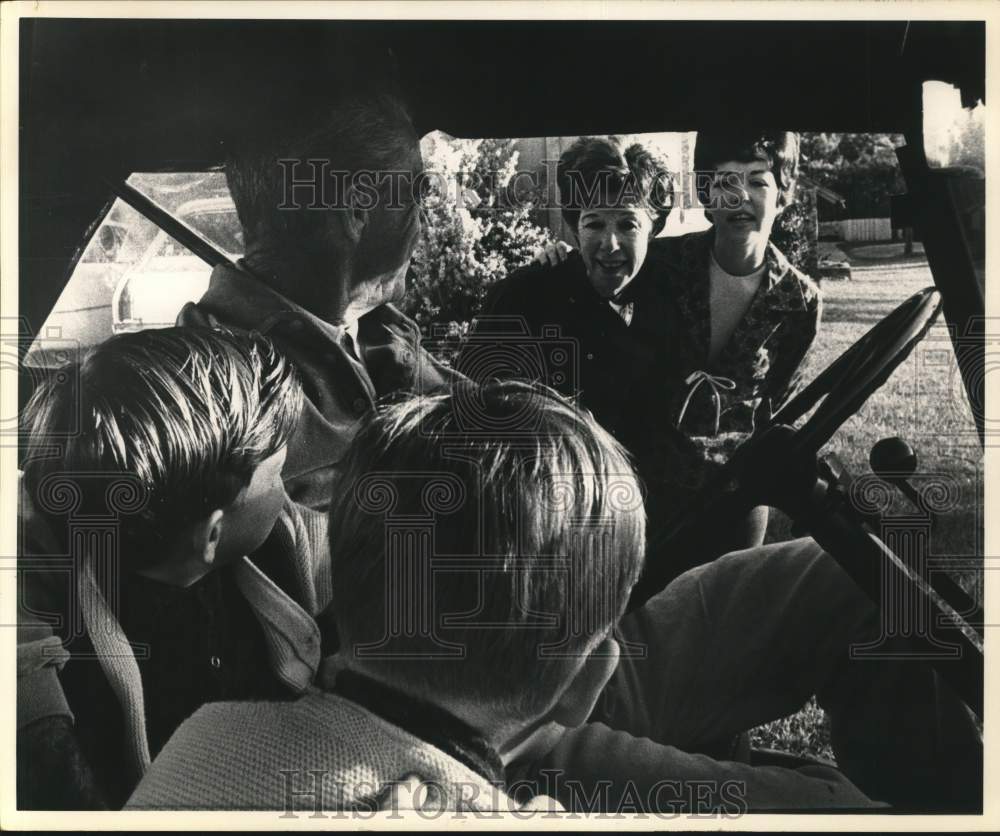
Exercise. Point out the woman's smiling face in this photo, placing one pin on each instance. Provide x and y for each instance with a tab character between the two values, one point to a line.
747	197
613	244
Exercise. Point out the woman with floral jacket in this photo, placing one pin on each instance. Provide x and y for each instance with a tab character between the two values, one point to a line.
745	315
743	318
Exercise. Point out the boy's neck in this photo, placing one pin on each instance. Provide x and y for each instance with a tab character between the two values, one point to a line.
531	741
740	257
439	724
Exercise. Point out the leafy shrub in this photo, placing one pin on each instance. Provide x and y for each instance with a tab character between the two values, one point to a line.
475	231
795	232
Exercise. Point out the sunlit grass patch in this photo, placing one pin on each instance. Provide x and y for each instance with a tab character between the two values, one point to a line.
925	403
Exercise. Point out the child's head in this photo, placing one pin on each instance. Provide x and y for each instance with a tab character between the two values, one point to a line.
484	570
765	163
200	417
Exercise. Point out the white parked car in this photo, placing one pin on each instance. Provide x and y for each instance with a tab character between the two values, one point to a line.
152	292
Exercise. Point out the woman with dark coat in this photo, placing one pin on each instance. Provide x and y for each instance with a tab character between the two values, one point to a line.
596	324
593	325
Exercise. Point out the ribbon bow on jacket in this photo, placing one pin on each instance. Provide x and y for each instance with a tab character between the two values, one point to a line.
715	383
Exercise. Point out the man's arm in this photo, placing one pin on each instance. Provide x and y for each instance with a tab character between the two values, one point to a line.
598	769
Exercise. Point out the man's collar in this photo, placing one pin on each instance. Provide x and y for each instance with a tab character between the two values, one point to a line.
244	301
351	329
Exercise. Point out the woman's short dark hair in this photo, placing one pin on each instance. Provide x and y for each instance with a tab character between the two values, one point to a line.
780	149
599	171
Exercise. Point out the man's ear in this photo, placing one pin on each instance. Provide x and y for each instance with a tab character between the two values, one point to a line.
578	700
359	201
356	221
207	535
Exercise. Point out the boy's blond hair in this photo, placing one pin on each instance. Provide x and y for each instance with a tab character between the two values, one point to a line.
538	537
188	412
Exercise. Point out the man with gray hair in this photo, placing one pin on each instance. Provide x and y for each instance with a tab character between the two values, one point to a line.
330	220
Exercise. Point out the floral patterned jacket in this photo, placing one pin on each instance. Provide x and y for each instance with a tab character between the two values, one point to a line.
762	358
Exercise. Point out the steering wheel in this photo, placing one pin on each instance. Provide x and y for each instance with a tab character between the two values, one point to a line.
845	385
836	394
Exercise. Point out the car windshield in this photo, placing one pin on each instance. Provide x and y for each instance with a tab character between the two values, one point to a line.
132	275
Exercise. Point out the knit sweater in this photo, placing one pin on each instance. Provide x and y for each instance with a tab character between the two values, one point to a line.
322	753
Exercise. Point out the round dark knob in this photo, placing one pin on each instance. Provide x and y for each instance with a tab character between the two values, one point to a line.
893	457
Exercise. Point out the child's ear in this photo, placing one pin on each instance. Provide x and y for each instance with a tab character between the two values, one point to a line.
578	700
207	534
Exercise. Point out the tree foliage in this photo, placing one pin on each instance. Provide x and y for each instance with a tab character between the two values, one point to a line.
475	232
860	167
968	141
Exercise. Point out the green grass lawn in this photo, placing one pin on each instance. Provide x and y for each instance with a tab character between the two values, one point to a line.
924	402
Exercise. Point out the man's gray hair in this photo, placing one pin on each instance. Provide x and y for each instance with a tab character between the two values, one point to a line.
372	132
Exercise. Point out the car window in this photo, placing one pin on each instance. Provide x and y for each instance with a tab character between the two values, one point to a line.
953	135
220	226
955	140
132	275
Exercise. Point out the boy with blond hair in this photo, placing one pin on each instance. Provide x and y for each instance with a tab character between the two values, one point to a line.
154	468
477	579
